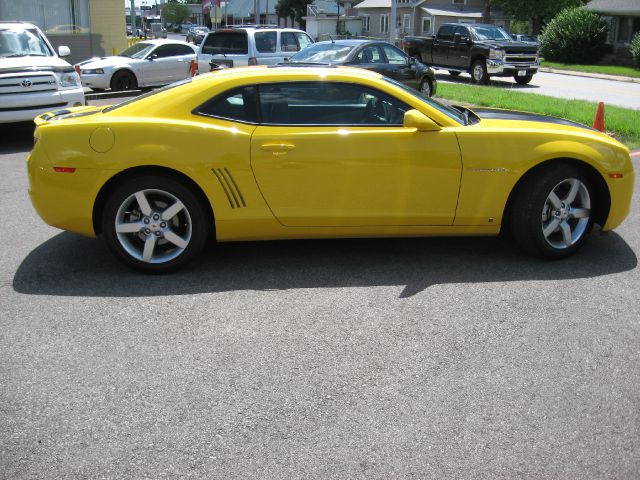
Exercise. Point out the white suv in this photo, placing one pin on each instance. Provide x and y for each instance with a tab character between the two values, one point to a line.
235	47
33	78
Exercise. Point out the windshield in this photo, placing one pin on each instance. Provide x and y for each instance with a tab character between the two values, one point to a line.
448	111
490	32
138	50
325	53
22	43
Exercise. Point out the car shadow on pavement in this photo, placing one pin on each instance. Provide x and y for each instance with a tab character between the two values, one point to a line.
70	265
493	82
17	138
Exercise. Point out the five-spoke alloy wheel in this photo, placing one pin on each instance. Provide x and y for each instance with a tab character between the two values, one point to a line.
154	224
551	212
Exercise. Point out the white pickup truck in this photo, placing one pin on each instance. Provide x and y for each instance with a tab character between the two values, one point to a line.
33	78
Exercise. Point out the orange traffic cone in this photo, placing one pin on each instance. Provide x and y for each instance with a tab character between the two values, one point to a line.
194	67
598	123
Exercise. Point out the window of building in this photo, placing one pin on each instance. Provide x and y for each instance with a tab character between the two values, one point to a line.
366	23
384	23
426	25
406	23
54	17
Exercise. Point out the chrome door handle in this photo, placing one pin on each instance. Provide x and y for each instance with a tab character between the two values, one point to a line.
277	147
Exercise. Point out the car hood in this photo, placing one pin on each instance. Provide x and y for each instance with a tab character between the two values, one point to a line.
517	116
107	62
511	47
34	64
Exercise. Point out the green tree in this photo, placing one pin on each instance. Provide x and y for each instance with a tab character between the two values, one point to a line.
175	13
295	9
538	12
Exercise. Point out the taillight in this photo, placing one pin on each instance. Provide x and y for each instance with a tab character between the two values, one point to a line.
252	61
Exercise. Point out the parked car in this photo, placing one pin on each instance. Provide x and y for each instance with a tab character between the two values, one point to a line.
34	78
285	152
481	50
234	47
145	64
381	57
196	34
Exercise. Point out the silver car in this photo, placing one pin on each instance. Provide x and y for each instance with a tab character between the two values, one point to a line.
145	64
235	47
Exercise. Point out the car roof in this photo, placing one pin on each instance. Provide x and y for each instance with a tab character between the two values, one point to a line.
11	24
350	42
163	41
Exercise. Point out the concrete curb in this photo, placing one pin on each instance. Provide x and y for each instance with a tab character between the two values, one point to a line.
600	76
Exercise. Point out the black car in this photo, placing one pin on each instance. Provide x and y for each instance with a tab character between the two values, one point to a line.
196	34
381	57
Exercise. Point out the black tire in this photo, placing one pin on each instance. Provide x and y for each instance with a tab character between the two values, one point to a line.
124	80
532	216
189	226
522	80
453	73
426	87
479	73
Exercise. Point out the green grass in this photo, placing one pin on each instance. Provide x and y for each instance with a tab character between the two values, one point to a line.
607	69
623	122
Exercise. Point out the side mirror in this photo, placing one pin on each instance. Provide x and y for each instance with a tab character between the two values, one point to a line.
63	51
411	61
465	39
457	38
418	120
152	56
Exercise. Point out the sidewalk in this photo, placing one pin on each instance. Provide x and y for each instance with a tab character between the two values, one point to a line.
601	76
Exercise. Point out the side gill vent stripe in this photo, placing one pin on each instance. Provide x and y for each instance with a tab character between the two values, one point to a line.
230	187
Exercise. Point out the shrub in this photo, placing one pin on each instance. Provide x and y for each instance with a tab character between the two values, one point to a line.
575	35
635	47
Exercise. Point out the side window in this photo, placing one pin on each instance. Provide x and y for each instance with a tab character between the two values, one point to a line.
328	103
462	31
266	41
164	51
446	33
370	54
239	104
288	42
303	40
183	50
394	56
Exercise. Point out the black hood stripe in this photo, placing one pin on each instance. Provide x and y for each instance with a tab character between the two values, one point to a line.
490	113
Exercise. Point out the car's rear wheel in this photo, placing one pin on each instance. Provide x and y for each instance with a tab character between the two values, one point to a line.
154	224
551	212
426	88
124	80
523	80
479	73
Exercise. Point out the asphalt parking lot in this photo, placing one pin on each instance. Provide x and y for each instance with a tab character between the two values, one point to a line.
394	358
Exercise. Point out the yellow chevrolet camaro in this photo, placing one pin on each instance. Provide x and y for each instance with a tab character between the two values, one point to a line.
308	152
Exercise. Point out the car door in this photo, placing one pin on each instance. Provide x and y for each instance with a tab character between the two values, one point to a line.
441	45
371	57
459	52
266	42
337	154
161	65
183	55
398	66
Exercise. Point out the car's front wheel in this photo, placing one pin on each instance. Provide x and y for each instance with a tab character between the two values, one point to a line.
124	80
479	73
154	224
551	213
426	88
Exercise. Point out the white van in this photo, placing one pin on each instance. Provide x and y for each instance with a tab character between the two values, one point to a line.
33	78
238	47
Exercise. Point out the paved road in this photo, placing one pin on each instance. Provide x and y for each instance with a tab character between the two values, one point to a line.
623	94
414	358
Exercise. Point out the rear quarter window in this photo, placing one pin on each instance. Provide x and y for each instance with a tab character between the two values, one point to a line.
232	43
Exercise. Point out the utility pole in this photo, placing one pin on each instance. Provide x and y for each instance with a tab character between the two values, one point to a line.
134	27
392	23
